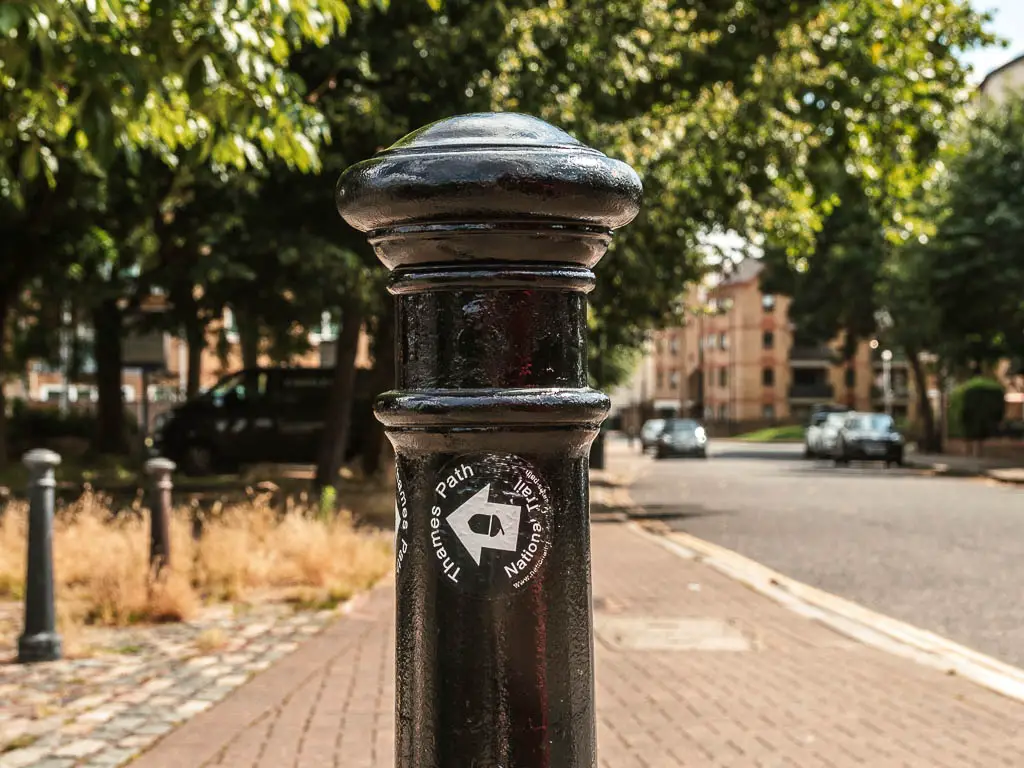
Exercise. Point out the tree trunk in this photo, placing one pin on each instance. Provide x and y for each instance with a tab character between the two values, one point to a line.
4	309
195	336
107	323
249	339
383	380
932	443
339	407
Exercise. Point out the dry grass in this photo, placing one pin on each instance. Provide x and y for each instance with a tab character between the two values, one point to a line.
101	565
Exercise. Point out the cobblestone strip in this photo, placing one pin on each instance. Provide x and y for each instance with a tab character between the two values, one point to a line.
331	705
102	711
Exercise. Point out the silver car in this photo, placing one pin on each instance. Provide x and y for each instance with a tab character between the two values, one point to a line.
650	432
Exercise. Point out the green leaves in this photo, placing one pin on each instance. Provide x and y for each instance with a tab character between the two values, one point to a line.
164	77
976	267
10	18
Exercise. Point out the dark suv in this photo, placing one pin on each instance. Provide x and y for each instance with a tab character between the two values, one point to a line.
273	415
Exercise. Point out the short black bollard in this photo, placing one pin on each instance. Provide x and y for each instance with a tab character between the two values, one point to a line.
40	641
491	224
160	505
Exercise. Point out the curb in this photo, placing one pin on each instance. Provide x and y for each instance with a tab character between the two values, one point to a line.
1006	476
843	616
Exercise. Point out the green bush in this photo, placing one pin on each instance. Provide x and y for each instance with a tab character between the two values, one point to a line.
28	426
37	424
976	409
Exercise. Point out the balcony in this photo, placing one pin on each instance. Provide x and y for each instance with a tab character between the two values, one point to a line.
818	392
813	356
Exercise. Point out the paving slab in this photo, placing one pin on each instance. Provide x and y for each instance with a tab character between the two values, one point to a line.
693	669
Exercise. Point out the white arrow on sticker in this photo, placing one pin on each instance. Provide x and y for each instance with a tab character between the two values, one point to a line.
502	524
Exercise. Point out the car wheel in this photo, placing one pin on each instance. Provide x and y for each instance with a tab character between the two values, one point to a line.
198	460
659	454
841	459
702	455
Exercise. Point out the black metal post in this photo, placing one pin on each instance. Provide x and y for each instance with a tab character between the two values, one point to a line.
160	505
597	447
491	224
40	641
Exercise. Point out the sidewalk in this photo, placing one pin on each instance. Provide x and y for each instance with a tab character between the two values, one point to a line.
693	669
968	466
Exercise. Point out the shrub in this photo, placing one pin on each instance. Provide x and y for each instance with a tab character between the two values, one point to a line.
38	424
976	409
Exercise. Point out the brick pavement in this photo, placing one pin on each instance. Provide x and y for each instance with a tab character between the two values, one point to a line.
800	696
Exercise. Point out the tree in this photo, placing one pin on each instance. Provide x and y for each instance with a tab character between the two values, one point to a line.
87	85
759	118
976	267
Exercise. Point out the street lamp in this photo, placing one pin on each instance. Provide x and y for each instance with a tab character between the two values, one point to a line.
887	380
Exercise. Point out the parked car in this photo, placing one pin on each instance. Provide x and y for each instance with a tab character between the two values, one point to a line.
868	437
257	415
823	440
815	431
682	437
812	435
650	432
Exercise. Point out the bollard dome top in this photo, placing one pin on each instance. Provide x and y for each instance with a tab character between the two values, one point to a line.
486	174
40	458
158	465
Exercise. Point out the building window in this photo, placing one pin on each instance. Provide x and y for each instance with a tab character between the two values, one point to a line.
673	380
767	339
768	302
723	377
674	345
850	378
661	379
723	412
768	411
768	377
723	341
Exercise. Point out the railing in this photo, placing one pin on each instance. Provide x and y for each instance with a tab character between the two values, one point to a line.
818	391
811	354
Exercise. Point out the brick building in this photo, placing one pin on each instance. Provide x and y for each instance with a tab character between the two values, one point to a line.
737	355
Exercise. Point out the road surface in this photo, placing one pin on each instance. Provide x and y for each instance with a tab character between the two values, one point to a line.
944	554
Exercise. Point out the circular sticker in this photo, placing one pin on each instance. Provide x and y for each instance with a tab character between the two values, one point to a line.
490	524
401	520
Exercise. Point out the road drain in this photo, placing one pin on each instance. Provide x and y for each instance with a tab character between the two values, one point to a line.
643	633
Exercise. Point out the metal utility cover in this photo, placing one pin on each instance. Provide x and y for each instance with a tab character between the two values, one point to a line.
645	633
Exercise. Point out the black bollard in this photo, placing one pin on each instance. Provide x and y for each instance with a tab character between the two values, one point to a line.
40	641
597	451
160	505
491	224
